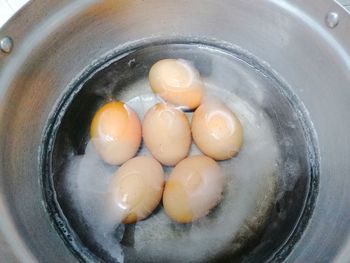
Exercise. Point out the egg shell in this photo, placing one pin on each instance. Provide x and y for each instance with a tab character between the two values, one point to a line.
177	82
116	132
217	131
136	188
194	187
167	133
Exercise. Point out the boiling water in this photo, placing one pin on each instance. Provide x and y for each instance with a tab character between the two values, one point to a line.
249	192
271	162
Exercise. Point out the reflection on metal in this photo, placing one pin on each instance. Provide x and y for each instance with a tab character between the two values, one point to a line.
6	44
332	19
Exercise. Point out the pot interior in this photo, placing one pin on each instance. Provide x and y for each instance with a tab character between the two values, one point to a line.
279	160
274	61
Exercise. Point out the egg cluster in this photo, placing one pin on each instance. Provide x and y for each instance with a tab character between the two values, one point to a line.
196	183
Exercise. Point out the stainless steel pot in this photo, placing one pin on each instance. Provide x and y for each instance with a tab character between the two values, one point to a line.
306	44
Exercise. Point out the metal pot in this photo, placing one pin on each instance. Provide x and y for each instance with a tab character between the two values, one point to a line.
304	44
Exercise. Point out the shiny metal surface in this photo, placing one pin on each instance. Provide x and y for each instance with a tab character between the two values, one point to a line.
64	37
332	19
6	44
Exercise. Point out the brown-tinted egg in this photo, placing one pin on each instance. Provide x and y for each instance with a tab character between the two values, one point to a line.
217	131
167	133
136	188
177	82
194	187
116	132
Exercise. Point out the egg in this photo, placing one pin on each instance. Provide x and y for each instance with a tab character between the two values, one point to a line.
216	130
194	187
167	133
136	188
177	82
115	132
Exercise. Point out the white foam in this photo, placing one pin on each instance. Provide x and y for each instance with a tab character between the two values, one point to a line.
250	187
87	185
